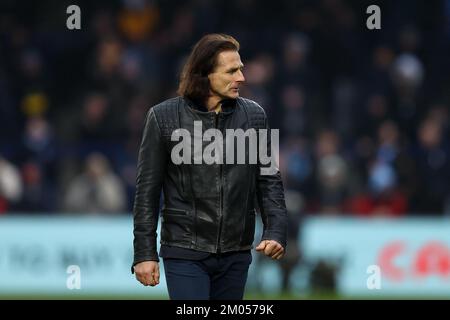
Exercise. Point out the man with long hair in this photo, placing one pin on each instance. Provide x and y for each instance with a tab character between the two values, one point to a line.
208	216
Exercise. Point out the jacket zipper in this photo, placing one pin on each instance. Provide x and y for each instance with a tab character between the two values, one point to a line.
220	196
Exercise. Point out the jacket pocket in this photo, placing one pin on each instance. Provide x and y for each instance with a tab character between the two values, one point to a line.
173	211
176	226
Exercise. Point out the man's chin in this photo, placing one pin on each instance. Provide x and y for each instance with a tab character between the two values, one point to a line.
233	95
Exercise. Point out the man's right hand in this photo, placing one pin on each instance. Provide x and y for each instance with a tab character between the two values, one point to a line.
147	273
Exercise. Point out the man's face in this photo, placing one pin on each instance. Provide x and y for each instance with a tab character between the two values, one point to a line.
227	76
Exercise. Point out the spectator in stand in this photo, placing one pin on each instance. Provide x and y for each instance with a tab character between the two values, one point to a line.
11	187
97	190
39	194
433	168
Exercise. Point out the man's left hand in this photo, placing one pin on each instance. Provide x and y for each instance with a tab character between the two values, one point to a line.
271	248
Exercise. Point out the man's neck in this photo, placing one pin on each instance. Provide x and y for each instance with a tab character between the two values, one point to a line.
214	104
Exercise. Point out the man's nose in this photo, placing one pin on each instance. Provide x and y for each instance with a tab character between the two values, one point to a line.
241	77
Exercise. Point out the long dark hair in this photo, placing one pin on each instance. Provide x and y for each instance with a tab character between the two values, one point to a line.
194	82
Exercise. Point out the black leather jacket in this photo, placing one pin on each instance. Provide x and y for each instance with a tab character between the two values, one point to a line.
208	208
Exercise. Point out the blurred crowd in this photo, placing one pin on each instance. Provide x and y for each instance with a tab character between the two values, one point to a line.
363	114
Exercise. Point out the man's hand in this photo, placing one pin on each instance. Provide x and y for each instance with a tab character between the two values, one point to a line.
271	248
147	273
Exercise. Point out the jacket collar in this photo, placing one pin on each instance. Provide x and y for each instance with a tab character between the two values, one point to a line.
228	106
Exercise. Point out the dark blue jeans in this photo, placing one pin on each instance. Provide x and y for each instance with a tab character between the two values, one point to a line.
217	277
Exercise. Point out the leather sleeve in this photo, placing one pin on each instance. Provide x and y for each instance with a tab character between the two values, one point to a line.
270	196
151	169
